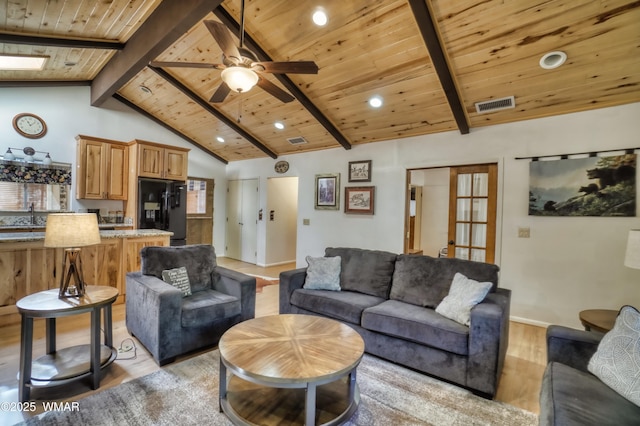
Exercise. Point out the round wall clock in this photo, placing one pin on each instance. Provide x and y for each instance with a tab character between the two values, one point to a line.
29	125
281	167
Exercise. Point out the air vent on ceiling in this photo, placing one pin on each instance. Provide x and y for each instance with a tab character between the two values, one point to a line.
298	140
495	105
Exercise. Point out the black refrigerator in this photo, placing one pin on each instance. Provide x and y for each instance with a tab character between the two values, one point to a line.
163	205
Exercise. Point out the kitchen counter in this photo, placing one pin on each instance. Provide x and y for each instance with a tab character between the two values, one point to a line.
20	237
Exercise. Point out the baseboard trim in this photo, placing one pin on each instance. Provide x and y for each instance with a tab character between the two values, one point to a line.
266	265
530	321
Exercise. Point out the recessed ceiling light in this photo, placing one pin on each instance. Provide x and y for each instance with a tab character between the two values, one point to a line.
375	101
320	17
220	139
553	60
145	89
22	63
70	64
278	125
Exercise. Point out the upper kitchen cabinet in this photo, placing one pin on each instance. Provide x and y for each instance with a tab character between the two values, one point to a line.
161	161
103	169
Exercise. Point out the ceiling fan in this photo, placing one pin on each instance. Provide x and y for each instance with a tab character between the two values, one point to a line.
241	69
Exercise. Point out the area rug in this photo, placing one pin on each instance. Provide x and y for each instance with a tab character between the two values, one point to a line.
262	282
186	393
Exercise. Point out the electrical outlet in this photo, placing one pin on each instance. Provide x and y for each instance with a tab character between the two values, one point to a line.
524	232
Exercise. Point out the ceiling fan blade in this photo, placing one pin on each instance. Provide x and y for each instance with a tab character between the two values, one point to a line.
291	67
162	64
274	90
220	94
225	40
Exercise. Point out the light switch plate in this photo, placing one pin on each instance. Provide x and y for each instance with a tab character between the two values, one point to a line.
524	232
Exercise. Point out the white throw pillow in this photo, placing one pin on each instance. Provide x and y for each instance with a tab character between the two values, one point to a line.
179	279
464	294
617	360
323	273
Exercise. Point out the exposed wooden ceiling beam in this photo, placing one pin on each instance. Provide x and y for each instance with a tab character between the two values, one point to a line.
168	22
36	40
156	120
226	19
430	35
211	110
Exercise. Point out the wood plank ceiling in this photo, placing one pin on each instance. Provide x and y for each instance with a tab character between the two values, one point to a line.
429	61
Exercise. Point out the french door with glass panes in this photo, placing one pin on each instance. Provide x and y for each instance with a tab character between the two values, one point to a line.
472	212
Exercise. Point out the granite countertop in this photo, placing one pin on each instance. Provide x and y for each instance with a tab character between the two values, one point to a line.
20	237
18	228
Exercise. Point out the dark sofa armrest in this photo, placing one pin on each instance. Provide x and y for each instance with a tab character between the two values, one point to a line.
239	285
153	305
488	341
289	281
571	347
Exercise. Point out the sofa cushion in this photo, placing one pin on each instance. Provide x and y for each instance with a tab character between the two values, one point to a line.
206	305
464	294
573	397
617	360
365	271
323	273
200	261
425	280
418	324
344	305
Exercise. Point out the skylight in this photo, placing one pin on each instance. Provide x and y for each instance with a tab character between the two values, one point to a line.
22	63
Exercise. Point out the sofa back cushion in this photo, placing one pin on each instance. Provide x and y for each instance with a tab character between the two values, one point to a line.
365	271
425	280
199	260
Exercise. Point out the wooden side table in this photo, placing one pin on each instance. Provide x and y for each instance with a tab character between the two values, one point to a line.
68	364
601	320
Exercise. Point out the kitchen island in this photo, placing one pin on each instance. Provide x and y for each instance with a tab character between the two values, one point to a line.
27	267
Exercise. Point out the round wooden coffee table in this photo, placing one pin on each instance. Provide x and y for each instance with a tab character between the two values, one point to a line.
295	368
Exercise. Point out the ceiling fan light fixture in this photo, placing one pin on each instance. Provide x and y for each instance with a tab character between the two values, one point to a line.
319	17
239	79
553	60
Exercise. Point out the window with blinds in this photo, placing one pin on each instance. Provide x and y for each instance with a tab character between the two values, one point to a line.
17	196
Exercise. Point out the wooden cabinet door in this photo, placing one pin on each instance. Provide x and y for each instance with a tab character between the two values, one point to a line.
91	173
150	161
117	172
175	164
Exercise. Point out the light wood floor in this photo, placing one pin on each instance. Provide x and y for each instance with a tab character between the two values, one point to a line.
519	384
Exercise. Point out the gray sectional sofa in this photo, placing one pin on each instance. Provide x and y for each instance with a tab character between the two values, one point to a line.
391	299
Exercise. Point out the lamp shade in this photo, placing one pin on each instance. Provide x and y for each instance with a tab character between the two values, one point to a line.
632	255
239	79
68	230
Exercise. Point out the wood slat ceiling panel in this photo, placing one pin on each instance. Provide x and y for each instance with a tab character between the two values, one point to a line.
174	108
369	48
112	20
494	48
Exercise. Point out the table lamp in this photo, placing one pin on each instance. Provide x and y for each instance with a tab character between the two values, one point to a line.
632	255
71	231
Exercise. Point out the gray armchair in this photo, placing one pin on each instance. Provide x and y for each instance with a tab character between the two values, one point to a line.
167	323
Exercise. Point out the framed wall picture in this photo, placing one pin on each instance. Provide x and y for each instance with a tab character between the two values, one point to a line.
359	199
360	171
327	192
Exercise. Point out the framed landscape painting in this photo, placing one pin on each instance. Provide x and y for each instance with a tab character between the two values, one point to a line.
359	200
360	171
327	192
593	186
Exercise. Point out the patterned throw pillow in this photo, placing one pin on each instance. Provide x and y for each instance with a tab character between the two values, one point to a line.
617	360
179	279
323	273
464	294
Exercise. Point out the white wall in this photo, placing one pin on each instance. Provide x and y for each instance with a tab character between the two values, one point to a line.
568	264
67	112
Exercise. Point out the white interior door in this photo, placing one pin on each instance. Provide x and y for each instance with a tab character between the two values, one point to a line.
242	220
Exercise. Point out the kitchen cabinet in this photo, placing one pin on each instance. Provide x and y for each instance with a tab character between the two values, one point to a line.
162	162
103	169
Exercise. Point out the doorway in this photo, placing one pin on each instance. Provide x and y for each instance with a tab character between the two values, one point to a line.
242	220
200	210
458	217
